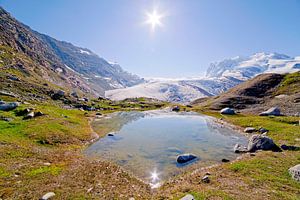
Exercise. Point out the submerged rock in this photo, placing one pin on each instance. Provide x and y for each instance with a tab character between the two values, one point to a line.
9	106
275	111
110	134
227	111
184	158
48	196
260	142
295	172
249	129
188	197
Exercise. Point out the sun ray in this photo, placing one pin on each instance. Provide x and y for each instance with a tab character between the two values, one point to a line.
154	19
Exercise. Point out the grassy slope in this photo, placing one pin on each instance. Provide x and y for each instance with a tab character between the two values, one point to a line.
58	138
264	176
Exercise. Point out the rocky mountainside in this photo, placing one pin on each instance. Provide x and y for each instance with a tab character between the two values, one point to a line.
220	77
259	94
60	63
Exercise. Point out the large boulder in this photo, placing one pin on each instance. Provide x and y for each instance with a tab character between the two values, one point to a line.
184	158
275	111
261	142
227	111
9	106
295	172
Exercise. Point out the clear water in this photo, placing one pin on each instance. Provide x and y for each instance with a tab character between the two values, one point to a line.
147	143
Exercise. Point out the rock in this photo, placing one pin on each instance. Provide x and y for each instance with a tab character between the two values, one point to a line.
38	113
176	109
29	115
184	158
2	102
9	106
263	130
239	149
47	164
249	129
227	111
74	94
225	160
58	95
48	196
290	148
295	172
98	113
110	134
188	197
205	179
272	111
260	142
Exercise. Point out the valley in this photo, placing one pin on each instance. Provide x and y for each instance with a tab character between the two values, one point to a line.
76	126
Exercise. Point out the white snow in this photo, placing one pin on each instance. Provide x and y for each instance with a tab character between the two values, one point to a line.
84	52
220	77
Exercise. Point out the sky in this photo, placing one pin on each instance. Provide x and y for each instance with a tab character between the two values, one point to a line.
193	34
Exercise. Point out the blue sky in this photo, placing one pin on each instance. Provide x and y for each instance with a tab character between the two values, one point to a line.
194	32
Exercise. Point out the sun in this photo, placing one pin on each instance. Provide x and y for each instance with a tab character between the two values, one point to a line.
154	19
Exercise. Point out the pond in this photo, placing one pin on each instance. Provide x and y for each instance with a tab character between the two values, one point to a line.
148	143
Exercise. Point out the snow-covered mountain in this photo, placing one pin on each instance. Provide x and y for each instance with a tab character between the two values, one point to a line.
220	77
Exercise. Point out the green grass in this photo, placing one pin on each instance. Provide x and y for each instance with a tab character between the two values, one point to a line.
290	84
52	170
283	129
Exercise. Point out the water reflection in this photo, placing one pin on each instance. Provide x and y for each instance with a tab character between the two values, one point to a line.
147	143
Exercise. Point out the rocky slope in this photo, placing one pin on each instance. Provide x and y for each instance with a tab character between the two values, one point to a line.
259	94
59	63
220	77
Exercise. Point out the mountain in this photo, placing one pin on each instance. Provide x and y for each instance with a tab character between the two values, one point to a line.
60	63
220	77
244	68
259	94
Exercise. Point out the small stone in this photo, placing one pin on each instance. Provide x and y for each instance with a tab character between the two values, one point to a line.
47	164
263	130
98	113
207	173
205	179
39	113
89	190
252	154
48	196
225	160
227	111
249	129
176	109
295	172
275	111
29	115
110	134
188	197
184	158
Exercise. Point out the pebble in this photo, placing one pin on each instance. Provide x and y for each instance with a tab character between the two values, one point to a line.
48	196
47	164
205	179
188	197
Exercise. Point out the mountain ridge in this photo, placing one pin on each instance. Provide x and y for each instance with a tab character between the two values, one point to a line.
62	63
220	77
